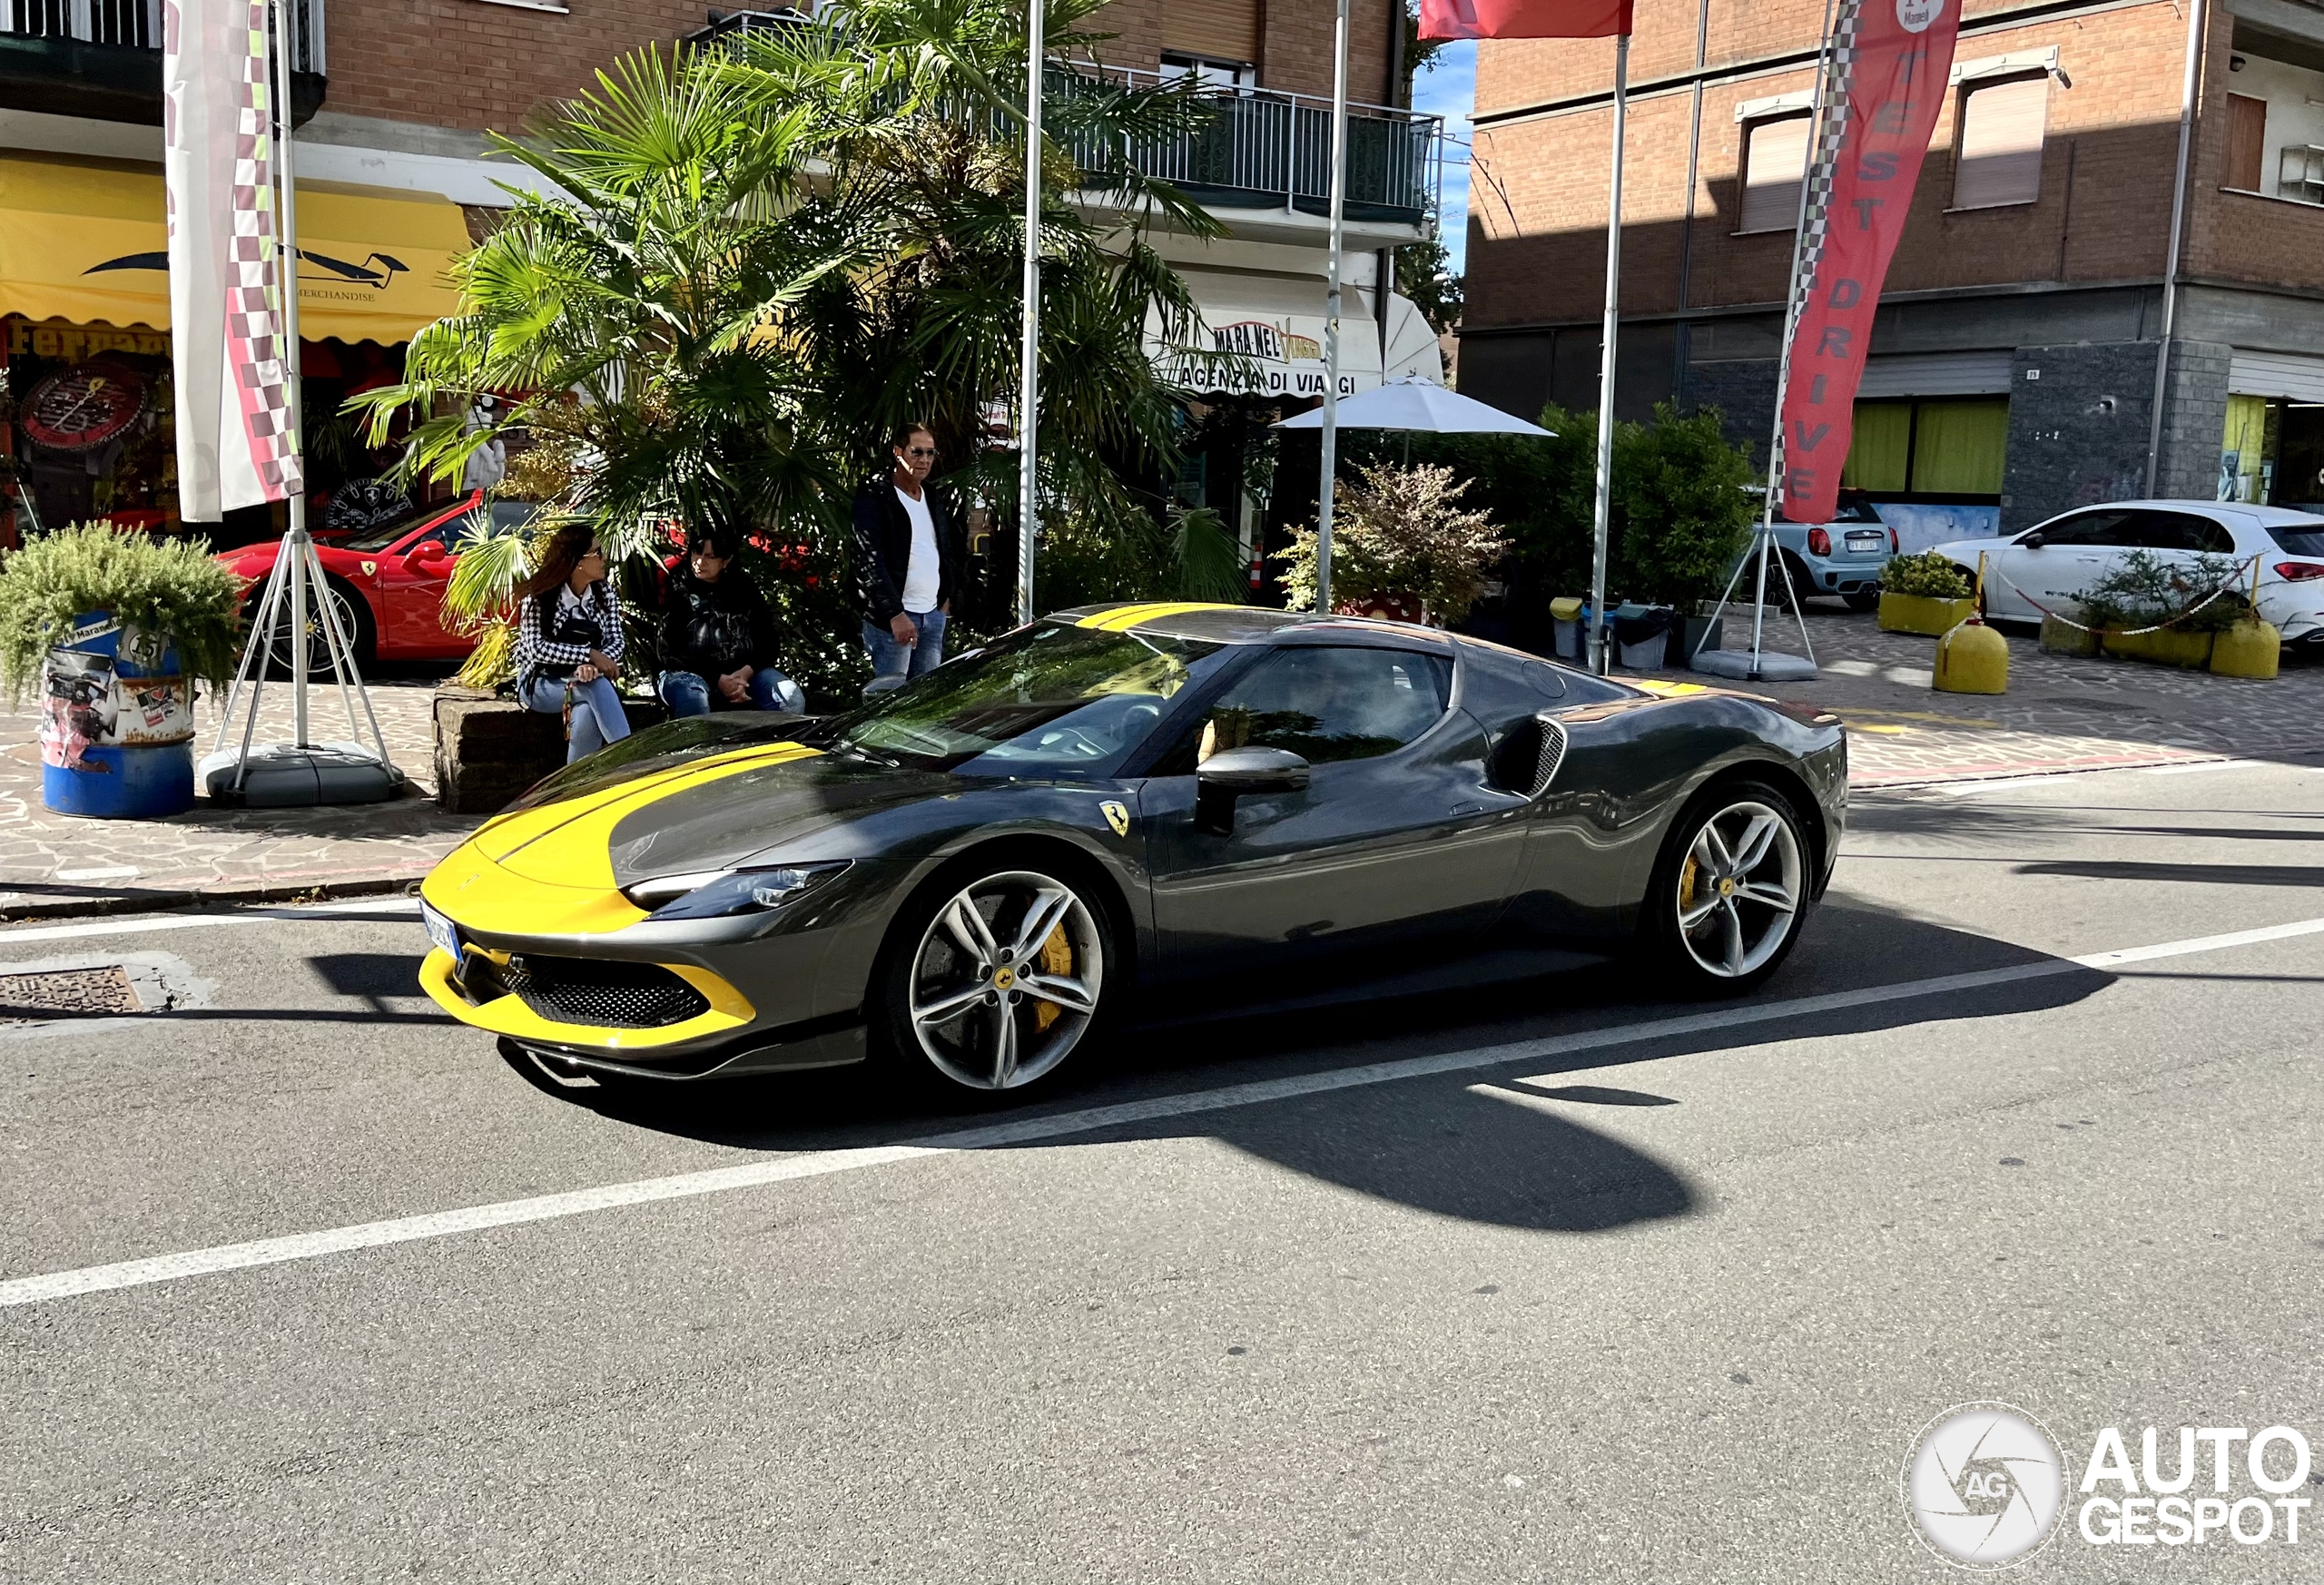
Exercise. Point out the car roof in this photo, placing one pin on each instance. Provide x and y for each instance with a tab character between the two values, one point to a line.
2277	515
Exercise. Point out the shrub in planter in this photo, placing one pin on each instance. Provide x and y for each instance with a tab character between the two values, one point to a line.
1923	593
169	593
1401	538
1685	513
2167	612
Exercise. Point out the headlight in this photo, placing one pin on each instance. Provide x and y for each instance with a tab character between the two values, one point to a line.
721	893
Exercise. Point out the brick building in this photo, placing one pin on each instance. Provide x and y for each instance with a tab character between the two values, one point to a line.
2013	365
393	100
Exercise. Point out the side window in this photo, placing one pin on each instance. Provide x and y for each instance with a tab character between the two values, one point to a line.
2185	531
2091	528
1326	705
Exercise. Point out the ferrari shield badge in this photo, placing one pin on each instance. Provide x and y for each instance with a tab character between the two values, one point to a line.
369	568
1116	816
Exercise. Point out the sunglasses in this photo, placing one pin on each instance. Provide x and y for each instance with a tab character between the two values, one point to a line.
918	450
595	551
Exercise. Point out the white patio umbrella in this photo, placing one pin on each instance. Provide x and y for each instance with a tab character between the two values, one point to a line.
1414	403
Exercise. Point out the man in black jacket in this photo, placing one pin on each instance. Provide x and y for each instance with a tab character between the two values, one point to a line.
718	635
908	559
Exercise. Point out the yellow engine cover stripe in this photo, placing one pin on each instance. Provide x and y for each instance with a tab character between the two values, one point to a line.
508	1015
574	849
1123	618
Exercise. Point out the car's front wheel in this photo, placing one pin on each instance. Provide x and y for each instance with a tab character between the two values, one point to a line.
1731	889
996	979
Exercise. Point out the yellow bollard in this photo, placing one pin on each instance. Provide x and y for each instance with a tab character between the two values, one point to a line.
2252	648
1973	659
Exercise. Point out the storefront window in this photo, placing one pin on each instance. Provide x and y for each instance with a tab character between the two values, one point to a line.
1952	449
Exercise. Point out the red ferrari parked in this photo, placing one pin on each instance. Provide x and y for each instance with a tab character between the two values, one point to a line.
386	581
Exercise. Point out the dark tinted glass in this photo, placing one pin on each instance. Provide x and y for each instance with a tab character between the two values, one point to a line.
2181	531
2091	528
2299	540
1326	705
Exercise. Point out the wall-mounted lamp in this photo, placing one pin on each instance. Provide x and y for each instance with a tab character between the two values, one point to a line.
2235	62
2059	73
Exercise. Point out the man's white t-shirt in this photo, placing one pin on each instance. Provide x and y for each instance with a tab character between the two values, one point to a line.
923	575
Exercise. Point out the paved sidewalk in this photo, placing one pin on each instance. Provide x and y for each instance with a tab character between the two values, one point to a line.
2060	714
54	863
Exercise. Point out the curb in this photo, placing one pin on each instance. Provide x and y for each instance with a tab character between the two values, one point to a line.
99	905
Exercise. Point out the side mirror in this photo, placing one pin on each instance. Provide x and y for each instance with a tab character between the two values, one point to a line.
2030	541
1230	773
426	550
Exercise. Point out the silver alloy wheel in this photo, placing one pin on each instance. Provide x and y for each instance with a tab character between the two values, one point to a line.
278	641
1005	981
1739	889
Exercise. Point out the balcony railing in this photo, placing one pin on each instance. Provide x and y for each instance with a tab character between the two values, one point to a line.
1262	148
102	59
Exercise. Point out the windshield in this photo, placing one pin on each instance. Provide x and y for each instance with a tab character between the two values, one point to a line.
2298	538
1051	698
379	536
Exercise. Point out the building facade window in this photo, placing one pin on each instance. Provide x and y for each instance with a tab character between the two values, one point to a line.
1211	76
1949	448
1212	36
1999	142
1775	163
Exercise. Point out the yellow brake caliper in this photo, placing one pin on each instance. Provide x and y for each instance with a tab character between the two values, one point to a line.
1057	958
1687	884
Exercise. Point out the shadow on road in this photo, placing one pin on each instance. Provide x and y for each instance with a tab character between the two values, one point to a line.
1472	1148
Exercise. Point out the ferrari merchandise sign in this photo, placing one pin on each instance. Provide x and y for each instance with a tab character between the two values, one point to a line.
1451	19
1891	62
85	242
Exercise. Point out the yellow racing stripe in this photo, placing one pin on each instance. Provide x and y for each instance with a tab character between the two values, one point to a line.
1121	619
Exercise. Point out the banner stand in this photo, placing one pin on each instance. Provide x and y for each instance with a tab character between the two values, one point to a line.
301	772
1759	663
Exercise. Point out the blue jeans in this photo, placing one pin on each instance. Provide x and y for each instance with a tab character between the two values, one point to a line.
597	717
893	660
688	693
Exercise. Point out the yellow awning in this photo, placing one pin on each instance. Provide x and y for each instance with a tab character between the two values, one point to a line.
87	240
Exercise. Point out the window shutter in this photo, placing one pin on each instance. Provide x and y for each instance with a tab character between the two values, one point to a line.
2247	141
1775	160
1217	30
1999	159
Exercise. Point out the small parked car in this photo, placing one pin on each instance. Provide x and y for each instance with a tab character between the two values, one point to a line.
1842	557
2051	563
386	581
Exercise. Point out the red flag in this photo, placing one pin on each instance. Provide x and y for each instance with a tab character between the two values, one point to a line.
1523	18
1892	60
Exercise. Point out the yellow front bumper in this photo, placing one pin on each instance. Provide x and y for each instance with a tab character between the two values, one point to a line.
508	1015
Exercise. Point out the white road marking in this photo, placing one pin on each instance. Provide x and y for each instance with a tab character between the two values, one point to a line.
163	1268
403	906
2200	765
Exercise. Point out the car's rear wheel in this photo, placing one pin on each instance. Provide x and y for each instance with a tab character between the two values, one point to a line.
1731	889
997	979
355	624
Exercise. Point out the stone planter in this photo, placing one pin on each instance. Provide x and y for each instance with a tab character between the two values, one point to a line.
489	749
2252	648
2064	638
1923	614
2164	647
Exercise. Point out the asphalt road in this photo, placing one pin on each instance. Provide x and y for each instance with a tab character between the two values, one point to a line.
1555	1283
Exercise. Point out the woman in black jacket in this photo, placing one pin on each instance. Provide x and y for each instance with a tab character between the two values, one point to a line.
718	635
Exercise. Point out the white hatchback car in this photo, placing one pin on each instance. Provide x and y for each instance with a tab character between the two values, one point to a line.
2054	562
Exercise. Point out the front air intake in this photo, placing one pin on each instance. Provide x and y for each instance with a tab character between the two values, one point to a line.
608	994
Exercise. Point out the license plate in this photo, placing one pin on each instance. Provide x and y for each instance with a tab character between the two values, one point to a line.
440	931
1872	541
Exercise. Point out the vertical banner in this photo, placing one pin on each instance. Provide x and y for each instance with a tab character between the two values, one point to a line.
1451	19
1892	61
235	448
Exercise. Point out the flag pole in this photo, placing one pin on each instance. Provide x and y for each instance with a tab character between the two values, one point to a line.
1602	511
1028	379
1331	437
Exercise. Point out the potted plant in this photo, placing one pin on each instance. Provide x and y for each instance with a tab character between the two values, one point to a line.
1401	545
2167	612
1687	515
112	626
1923	593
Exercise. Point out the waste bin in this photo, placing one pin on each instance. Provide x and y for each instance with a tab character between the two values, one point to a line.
1642	634
116	729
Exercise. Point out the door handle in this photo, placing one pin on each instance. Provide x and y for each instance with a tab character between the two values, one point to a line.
1468	809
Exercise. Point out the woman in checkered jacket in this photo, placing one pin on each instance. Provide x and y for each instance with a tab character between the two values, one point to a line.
568	641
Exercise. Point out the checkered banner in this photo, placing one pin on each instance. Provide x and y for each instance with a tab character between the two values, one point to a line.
236	446
1891	62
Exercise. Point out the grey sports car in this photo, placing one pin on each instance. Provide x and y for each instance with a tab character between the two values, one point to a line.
1126	812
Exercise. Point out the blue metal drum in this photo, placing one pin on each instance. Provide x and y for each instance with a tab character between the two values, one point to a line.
116	725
